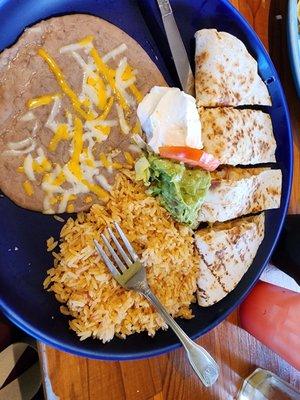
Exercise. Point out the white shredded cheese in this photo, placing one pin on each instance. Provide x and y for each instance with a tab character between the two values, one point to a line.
20	145
46	205
103	182
134	148
94	133
108	91
29	116
115	52
122	85
100	122
123	124
63	204
28	168
74	47
91	93
88	68
24	146
51	124
41	155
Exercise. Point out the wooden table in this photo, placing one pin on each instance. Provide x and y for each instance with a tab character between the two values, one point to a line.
169	377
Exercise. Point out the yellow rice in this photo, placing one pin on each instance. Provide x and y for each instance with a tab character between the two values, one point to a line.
98	306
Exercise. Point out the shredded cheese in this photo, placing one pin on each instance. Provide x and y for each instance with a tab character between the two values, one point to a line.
121	84
129	158
70	208
28	188
137	94
103	182
29	116
60	134
63	84
107	75
28	167
21	144
41	101
86	42
123	124
102	87
115	52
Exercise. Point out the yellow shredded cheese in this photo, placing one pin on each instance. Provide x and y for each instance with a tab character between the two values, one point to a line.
64	84
107	75
41	101
137	94
105	162
128	158
36	167
107	109
28	188
87	40
70	208
60	134
46	165
98	84
59	180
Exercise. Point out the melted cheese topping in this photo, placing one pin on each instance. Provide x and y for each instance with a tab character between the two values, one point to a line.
137	94
115	52
64	85
123	124
102	87
108	76
60	134
28	188
86	42
129	158
29	116
28	167
41	101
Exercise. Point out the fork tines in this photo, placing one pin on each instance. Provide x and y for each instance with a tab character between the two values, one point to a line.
125	257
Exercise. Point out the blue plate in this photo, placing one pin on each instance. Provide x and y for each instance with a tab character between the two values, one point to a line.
23	258
293	37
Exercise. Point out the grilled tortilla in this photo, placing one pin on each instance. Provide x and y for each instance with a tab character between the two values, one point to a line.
55	155
235	137
226	74
226	252
236	191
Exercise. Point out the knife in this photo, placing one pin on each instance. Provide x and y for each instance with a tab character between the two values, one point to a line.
177	48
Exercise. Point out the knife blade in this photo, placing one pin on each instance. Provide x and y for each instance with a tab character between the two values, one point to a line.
177	48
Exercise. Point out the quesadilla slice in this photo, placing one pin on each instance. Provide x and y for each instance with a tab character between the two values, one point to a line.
236	191
226	252
226	74
235	137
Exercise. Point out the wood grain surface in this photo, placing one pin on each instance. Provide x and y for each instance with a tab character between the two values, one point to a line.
170	377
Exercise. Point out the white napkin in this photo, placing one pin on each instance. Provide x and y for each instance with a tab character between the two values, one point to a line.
273	275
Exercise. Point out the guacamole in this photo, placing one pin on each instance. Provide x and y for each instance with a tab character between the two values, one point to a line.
179	189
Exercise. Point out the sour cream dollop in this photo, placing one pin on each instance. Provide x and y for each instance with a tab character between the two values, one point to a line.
169	117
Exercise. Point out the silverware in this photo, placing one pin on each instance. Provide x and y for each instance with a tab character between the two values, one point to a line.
177	48
130	273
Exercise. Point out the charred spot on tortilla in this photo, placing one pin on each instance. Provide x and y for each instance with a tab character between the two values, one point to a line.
68	109
238	137
227	251
226	74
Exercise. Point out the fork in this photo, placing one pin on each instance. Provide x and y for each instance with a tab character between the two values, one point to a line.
130	273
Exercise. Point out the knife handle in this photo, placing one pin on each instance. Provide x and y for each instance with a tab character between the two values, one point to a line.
165	7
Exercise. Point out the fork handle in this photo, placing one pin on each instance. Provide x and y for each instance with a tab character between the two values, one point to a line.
201	361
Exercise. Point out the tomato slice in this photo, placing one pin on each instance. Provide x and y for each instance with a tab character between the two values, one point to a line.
191	156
